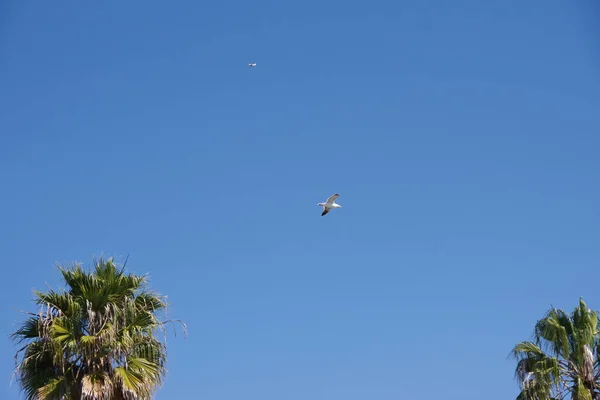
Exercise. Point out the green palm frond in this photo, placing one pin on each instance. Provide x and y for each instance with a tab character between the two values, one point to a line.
59	302
554	330
580	392
585	323
30	329
131	381
149	302
528	349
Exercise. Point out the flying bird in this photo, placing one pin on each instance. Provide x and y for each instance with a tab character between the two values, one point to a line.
252	65
329	204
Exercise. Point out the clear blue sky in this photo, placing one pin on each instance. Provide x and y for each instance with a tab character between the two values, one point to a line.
463	138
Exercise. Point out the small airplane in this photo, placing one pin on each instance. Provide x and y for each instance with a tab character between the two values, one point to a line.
252	65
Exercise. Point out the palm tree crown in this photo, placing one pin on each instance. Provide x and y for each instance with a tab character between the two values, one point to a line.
562	362
95	341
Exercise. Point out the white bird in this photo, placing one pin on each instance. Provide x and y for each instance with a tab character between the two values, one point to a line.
329	204
252	65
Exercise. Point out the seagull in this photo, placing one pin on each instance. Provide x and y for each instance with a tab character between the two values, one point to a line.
329	204
252	65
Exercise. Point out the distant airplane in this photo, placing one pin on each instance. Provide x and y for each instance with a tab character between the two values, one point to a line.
329	204
252	65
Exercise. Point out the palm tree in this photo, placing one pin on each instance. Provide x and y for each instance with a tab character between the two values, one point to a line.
562	362
95	340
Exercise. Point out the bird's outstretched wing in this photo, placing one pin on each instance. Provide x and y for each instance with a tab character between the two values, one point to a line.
332	198
325	211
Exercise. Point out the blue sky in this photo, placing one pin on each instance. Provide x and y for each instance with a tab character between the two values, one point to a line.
462	137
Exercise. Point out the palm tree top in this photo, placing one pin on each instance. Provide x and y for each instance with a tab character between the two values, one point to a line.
561	360
96	339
